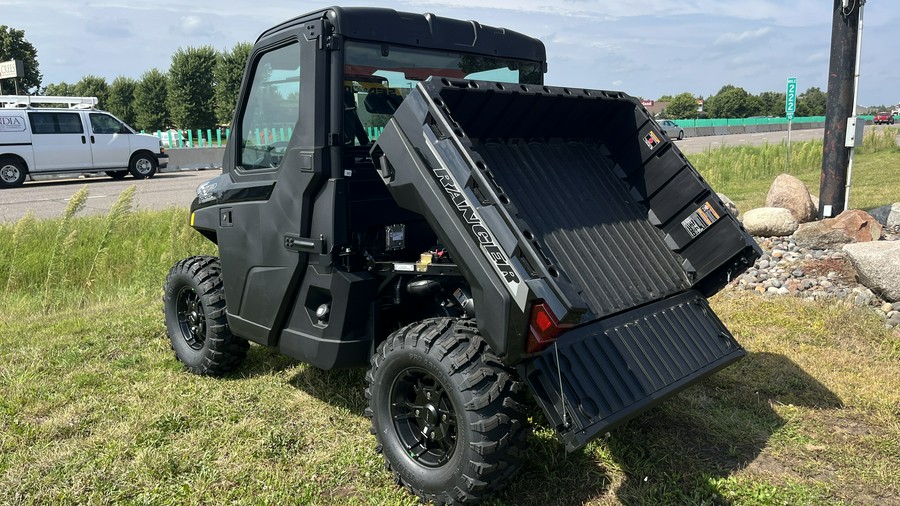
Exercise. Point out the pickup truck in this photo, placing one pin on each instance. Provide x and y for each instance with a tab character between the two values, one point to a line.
883	118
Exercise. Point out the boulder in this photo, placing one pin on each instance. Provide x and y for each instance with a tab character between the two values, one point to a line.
729	204
770	222
790	193
850	226
888	216
815	201
878	266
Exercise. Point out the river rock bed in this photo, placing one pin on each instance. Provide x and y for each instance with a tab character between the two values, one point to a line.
788	269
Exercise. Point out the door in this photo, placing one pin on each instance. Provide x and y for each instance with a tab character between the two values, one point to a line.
109	140
59	141
278	138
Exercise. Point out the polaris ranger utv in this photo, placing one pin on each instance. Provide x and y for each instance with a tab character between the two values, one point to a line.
404	193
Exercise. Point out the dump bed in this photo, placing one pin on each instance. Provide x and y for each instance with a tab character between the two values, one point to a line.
577	199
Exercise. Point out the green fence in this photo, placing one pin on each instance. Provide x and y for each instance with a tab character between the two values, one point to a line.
217	138
723	122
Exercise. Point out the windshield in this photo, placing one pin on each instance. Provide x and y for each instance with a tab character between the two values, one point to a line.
377	77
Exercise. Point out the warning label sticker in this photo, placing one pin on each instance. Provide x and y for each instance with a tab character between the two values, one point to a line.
700	220
651	139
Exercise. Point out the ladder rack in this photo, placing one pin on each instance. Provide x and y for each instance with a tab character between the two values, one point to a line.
13	101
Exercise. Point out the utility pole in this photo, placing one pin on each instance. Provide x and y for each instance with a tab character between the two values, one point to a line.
841	67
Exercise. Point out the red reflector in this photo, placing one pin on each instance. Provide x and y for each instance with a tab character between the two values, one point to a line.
543	329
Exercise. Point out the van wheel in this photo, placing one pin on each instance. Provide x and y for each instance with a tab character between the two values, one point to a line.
445	411
117	174
142	165
194	305
12	173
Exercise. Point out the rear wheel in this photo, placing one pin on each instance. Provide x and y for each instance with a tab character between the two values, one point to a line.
12	173
445	411
194	304
117	174
142	165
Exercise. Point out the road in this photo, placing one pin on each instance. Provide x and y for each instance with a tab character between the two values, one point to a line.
48	198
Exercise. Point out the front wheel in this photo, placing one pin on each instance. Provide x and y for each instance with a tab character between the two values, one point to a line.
12	173
445	411
142	165
680	134
194	305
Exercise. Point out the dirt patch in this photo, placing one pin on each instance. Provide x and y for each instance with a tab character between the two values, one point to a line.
843	270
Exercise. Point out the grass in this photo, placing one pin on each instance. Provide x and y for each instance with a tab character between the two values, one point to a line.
96	410
744	173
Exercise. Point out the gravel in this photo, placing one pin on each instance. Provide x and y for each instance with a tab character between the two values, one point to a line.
787	269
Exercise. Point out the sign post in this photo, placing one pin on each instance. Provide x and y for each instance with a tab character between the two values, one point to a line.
790	106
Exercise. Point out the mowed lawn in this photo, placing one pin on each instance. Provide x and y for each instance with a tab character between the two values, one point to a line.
94	409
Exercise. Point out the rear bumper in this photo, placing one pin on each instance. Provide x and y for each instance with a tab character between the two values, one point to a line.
618	367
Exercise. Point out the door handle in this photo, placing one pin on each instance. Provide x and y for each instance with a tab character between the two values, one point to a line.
92	139
83	140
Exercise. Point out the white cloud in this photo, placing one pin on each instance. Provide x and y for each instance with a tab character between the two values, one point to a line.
193	26
730	38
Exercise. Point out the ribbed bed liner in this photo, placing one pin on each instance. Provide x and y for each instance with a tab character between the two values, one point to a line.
586	222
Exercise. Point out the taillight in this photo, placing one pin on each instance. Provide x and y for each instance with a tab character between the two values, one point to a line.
543	329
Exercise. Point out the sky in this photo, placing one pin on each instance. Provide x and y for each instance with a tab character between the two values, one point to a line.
647	49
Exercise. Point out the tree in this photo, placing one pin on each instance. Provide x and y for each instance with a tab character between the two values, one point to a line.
14	46
121	98
150	99
730	102
811	102
771	103
62	89
683	105
192	88
93	86
228	73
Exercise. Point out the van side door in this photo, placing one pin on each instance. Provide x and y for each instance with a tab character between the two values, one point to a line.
109	140
59	141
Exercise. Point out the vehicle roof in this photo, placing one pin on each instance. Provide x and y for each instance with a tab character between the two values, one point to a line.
49	109
421	30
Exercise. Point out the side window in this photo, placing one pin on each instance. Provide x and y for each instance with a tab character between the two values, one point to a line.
55	123
69	123
272	110
42	122
105	124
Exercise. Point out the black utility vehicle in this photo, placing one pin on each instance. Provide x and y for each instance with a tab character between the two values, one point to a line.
404	193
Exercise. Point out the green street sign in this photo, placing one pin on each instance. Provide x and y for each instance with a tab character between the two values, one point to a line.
790	103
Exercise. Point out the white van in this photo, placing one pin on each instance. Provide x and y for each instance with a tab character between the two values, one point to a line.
70	140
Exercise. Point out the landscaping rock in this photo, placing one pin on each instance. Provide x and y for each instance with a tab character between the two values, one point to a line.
878	266
770	222
729	204
889	215
790	193
850	226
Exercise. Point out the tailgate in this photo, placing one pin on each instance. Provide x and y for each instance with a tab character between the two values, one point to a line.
601	374
571	197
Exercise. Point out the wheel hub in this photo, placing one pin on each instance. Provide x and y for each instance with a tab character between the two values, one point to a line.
191	318
424	417
9	173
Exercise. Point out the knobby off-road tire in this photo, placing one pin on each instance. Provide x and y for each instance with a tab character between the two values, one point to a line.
445	411
194	304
